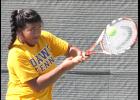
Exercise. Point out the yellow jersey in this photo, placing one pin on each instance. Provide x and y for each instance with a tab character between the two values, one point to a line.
25	63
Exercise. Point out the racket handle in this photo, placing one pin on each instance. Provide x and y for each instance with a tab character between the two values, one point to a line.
88	53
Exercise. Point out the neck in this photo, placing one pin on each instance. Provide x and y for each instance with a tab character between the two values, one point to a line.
21	39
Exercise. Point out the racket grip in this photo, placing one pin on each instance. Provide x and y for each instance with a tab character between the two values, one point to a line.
88	52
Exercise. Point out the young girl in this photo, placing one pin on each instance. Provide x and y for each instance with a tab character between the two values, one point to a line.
31	66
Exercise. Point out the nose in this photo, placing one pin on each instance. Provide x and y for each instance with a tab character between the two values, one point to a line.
37	35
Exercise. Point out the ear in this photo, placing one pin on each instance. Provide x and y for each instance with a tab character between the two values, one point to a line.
20	35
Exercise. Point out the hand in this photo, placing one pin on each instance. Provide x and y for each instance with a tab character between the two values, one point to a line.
84	56
70	62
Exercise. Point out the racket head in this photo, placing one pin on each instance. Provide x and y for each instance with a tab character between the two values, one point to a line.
122	39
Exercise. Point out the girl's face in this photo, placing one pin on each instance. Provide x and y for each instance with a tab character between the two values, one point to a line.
31	33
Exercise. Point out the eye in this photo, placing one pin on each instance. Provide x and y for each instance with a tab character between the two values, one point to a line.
32	31
36	28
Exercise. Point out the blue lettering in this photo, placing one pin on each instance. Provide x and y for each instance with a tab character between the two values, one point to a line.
44	53
39	60
33	62
42	68
46	64
51	60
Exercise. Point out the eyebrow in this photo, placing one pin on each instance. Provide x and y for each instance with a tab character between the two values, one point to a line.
37	26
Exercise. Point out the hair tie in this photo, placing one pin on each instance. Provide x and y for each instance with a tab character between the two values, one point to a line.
18	11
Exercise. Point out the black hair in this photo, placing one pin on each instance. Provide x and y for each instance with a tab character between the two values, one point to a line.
19	19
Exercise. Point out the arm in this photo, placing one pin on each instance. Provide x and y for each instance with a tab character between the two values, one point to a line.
73	51
51	77
74	57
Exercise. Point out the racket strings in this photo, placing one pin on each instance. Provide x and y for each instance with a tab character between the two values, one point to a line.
122	40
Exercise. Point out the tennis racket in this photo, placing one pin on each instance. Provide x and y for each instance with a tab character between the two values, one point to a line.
118	37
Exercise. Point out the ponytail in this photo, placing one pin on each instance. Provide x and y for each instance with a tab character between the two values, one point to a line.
13	28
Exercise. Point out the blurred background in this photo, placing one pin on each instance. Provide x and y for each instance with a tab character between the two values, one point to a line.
80	22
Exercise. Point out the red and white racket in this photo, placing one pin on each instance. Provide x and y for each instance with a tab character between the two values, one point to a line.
118	36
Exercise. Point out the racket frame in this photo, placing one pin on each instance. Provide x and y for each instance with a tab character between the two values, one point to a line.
99	40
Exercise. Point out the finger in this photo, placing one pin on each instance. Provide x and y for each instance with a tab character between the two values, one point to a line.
84	55
77	59
69	58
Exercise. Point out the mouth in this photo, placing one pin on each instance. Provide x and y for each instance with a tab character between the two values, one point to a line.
33	42
36	40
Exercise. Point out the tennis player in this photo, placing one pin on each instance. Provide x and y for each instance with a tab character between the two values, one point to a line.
31	65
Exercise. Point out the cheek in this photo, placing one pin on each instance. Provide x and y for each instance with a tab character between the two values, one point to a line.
28	35
32	36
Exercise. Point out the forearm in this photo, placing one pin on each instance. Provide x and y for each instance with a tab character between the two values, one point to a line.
47	79
51	77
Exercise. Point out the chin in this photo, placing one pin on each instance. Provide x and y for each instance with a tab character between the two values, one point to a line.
32	44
